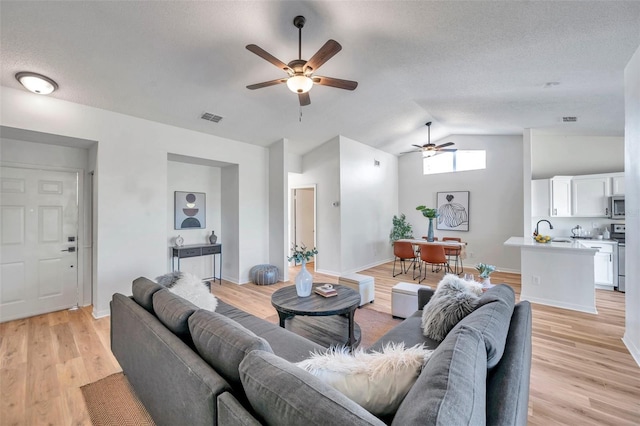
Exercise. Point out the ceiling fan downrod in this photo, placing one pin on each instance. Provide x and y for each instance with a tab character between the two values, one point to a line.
298	22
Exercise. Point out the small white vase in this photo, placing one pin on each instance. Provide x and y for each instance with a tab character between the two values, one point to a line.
487	282
304	281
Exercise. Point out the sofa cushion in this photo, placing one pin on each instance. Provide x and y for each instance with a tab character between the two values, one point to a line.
451	388
173	311
283	394
408	331
453	299
508	383
143	290
492	318
223	343
378	381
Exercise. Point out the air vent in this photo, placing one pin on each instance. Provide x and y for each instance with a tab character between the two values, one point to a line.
211	117
569	119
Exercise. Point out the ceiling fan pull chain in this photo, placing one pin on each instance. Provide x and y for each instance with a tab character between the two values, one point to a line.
300	118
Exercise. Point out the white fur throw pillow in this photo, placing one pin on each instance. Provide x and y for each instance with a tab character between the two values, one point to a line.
453	300
378	381
191	288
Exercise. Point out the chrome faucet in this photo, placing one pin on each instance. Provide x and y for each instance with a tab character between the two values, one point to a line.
535	233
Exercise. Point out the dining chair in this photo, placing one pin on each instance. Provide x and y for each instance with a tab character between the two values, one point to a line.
403	251
454	252
432	254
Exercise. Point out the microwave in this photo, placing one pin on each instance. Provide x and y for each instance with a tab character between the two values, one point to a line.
616	207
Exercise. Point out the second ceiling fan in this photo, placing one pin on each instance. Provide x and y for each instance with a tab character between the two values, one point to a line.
300	72
430	149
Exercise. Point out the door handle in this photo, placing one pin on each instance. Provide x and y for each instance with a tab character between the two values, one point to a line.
70	249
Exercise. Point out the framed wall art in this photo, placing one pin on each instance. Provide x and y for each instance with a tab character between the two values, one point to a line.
453	211
190	210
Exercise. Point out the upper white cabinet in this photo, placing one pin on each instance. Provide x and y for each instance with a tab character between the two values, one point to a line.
617	184
560	196
540	197
589	196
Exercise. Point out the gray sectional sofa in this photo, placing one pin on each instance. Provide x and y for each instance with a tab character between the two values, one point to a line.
195	367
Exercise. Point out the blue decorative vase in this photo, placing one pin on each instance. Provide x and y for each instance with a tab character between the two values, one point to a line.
430	233
304	281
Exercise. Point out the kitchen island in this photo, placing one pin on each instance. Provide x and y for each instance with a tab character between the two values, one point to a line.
558	274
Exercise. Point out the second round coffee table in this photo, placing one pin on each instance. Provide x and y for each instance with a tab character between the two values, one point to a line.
329	331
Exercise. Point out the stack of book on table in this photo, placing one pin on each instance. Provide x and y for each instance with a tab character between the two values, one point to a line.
326	291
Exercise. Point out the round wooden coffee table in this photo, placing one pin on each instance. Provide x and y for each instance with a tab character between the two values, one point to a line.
337	313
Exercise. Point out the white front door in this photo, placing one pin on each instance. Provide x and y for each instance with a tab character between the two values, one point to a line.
38	245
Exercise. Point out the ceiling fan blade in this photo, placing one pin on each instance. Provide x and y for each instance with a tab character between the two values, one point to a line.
408	152
417	146
268	57
325	53
304	99
444	144
266	84
335	82
447	150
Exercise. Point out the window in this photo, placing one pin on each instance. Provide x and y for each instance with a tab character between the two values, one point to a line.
457	161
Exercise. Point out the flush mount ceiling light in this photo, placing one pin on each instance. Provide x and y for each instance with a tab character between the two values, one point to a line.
36	83
299	84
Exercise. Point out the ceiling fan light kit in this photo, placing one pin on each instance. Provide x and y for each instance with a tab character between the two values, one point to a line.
300	78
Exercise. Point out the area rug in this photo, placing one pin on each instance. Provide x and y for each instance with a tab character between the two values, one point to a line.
373	324
112	402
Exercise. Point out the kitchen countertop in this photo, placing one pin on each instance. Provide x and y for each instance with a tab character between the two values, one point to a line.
574	246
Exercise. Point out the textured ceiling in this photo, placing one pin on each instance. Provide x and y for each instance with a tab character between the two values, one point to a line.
470	67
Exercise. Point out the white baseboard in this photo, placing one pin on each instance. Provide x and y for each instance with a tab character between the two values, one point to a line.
557	304
633	349
100	314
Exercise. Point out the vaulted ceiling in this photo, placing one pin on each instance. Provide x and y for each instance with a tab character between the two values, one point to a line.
477	67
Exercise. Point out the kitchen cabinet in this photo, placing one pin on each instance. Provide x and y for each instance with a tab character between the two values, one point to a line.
540	197
603	263
617	184
590	195
560	196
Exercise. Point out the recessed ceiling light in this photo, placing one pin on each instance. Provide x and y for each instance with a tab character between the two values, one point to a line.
36	83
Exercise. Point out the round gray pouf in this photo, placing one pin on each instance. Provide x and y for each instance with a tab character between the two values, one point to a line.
264	274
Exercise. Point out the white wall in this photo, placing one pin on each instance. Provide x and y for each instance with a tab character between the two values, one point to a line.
369	199
230	239
20	152
321	166
570	155
131	178
194	178
495	199
632	204
278	220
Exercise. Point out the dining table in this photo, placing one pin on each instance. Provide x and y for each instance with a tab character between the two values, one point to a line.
448	244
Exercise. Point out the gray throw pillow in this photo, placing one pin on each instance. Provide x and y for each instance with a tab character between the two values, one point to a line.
173	311
283	394
143	290
453	300
223	343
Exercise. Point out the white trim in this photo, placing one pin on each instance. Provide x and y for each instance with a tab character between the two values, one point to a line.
633	350
557	304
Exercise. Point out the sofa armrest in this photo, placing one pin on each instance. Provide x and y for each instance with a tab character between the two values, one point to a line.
232	413
424	295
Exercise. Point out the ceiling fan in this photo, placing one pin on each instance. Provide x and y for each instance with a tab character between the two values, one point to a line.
430	149
300	72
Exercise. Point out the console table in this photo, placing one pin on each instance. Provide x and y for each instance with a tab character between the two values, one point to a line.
195	250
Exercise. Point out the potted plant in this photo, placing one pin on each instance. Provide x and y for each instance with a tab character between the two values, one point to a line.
429	214
304	280
485	270
401	229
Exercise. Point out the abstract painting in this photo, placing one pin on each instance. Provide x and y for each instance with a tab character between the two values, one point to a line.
453	211
190	210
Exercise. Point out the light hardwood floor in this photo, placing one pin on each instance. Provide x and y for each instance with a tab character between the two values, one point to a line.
581	374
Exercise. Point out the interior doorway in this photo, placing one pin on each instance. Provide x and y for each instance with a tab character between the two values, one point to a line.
303	218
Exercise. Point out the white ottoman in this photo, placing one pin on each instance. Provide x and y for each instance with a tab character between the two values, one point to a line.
363	284
404	299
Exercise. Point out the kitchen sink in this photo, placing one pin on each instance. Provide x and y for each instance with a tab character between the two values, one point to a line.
561	240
